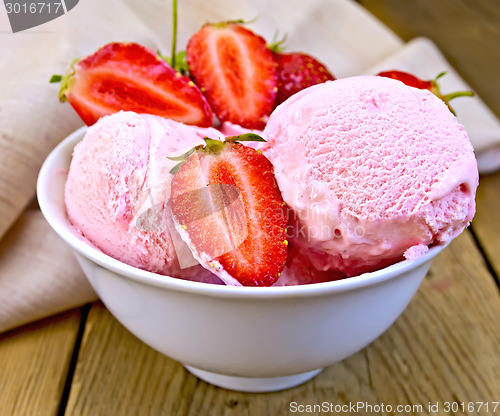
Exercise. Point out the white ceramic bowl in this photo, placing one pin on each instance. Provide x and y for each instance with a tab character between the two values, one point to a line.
241	338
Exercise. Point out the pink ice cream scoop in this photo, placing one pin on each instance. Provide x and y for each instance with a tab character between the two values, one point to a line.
118	189
373	171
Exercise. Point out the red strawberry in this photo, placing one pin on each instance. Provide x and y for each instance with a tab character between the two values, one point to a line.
236	72
408	79
297	71
229	210
300	271
128	76
432	85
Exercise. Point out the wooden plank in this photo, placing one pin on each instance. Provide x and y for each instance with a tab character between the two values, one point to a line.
118	374
467	32
486	223
34	362
445	346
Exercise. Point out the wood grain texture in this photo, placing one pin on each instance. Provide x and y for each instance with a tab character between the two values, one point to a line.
467	32
486	223
118	374
443	348
34	362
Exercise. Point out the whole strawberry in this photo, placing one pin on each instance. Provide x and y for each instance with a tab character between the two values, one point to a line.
129	76
431	85
236	72
297	71
228	208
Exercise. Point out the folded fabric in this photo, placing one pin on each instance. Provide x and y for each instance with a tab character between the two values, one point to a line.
39	275
423	58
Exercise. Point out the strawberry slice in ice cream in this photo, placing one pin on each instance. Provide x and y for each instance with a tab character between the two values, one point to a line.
229	210
118	190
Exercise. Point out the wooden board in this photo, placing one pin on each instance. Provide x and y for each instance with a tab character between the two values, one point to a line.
467	32
486	223
118	374
34	362
443	348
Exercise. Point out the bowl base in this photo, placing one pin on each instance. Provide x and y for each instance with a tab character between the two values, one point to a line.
253	384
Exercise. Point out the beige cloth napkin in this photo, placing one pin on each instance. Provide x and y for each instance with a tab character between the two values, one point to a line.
423	58
38	275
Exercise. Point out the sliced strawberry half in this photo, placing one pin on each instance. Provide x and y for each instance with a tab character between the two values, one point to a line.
297	71
236	72
431	85
229	210
128	76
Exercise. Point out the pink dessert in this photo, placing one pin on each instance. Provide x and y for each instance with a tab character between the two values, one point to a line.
118	187
373	172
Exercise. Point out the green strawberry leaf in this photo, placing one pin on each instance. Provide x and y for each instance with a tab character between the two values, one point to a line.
247	137
55	78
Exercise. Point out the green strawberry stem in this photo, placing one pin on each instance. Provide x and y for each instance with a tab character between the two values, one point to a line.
174	30
447	97
441	74
184	156
64	79
214	147
178	59
247	137
225	23
278	45
451	96
456	94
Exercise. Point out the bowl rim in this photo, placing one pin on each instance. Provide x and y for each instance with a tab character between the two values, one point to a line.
79	245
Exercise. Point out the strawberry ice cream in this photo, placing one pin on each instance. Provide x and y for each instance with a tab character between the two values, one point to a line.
373	171
118	187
